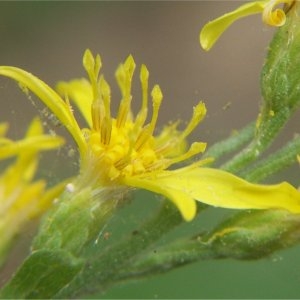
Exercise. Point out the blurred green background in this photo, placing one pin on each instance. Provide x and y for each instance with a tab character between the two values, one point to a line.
48	40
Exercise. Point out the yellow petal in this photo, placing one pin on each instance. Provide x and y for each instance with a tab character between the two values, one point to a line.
47	198
3	129
35	128
275	17
47	95
184	202
79	91
27	150
213	30
31	144
218	188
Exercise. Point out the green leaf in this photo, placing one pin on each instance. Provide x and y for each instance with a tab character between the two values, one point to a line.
42	275
67	225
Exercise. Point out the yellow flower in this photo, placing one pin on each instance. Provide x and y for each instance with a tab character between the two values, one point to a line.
20	198
125	151
270	15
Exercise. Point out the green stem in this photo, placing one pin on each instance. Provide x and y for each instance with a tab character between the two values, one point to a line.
101	270
231	144
280	79
167	258
246	235
275	162
265	135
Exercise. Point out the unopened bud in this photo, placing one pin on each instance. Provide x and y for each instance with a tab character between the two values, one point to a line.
255	234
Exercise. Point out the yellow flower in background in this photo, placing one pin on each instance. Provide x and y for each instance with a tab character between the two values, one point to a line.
20	198
211	32
126	151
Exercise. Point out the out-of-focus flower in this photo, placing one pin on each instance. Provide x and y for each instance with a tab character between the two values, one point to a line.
270	15
124	150
20	198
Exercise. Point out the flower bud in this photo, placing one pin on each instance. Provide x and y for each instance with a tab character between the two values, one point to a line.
280	79
255	234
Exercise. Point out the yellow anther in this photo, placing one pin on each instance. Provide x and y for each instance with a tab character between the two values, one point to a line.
143	137
97	114
122	163
106	128
123	114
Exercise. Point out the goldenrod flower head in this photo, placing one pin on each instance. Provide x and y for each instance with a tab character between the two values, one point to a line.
20	198
270	15
125	151
125	145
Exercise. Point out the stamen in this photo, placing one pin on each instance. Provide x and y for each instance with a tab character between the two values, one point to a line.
168	139
96	114
122	114
129	66
105	93
142	138
92	68
156	102
142	115
120	77
124	76
195	149
147	131
106	128
198	115
88	62
98	65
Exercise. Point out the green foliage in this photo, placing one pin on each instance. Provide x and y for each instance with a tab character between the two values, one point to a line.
42	274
